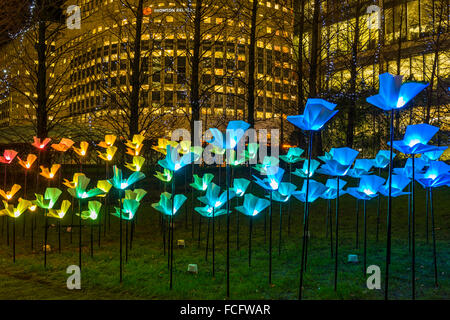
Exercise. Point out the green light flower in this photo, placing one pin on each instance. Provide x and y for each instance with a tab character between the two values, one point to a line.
136	194
93	210
164	177
251	152
119	183
48	200
59	214
15	212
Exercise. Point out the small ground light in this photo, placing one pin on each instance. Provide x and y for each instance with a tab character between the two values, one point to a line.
353	258
192	268
181	244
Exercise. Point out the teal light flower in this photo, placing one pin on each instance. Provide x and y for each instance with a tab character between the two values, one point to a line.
303	172
274	177
316	189
174	162
368	187
119	183
361	167
293	155
240	185
201	184
210	212
252	205
284	192
214	198
268	162
48	200
399	182
434	155
382	159
251	152
165	203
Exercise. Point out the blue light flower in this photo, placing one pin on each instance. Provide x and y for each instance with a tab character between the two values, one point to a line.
416	138
399	182
317	113
361	167
316	189
406	171
382	159
368	187
434	155
234	133
331	191
303	172
392	94
437	175
252	205
209	212
340	163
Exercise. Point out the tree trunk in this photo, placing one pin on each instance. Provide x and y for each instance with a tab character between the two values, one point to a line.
41	90
317	148
195	83
136	74
299	18
251	67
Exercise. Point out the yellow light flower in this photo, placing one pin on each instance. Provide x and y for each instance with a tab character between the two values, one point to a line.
136	142
59	214
105	186
29	162
82	150
8	195
72	184
162	145
138	161
109	141
49	174
185	147
134	152
15	212
109	155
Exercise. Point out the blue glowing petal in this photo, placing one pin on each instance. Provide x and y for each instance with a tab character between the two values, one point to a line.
382	159
421	133
370	185
435	154
240	186
303	172
356	193
317	113
408	91
316	189
332	183
284	192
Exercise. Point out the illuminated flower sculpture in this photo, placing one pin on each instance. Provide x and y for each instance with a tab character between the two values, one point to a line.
338	166
174	162
436	176
367	190
161	147
14	212
169	206
392	96
240	186
8	156
59	214
434	155
316	189
415	142
92	215
270	184
46	202
165	176
360	168
252	206
81	192
49	173
201	184
120	183
26	164
8	195
381	160
329	194
283	195
135	145
137	163
108	142
214	201
82	152
293	155
37	143
109	154
307	167
64	145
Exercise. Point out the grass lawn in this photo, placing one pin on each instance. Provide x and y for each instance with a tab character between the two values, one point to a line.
146	273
